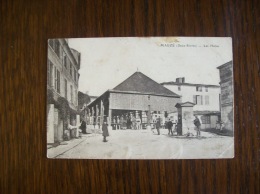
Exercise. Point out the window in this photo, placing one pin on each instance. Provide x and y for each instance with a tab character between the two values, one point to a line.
179	88
76	94
71	69
205	119
58	81
55	78
55	45
50	73
51	43
66	88
57	48
206	89
71	93
198	88
75	75
197	99
206	100
65	61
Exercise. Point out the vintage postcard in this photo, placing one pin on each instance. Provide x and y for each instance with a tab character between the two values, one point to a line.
140	98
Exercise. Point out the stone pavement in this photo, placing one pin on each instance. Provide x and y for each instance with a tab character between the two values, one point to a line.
144	144
53	152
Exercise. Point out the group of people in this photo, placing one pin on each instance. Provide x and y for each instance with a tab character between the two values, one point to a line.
127	121
169	125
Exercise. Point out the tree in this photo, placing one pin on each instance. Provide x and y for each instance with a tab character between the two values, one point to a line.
83	99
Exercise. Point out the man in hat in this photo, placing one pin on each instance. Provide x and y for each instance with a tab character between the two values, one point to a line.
197	124
169	126
158	125
105	131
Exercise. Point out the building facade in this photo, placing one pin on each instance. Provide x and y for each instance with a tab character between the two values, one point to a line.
227	95
137	98
62	88
204	96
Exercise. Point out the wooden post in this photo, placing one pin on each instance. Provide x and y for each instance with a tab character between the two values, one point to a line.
109	117
101	113
149	114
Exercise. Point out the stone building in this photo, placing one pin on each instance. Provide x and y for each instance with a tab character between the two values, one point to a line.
227	95
62	88
138	96
204	96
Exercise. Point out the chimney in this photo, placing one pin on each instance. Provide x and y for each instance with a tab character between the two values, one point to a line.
180	80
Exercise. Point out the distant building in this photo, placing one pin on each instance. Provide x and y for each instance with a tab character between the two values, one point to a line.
204	96
134	97
62	88
83	101
227	94
92	98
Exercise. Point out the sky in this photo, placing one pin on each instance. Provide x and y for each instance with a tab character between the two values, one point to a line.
106	62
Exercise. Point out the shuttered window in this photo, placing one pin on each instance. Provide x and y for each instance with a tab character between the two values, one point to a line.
198	99
206	100
58	81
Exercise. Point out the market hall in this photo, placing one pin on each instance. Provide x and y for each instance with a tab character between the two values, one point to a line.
133	104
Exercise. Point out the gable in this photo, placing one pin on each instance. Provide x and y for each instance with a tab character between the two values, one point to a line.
138	82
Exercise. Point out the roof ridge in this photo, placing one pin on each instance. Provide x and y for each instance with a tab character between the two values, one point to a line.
140	82
186	83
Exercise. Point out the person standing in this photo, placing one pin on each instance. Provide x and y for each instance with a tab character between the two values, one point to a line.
133	122
125	122
83	127
128	122
121	122
158	125
105	131
138	123
197	124
169	126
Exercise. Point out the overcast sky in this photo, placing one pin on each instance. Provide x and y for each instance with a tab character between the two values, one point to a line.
106	62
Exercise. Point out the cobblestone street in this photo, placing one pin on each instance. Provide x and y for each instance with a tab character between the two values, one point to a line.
143	144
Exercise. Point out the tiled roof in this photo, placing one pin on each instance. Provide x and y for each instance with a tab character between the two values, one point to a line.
140	83
225	64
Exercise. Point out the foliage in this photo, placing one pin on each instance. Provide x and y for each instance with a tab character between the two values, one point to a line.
63	106
50	97
82	99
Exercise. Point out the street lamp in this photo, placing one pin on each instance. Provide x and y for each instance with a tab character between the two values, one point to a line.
149	114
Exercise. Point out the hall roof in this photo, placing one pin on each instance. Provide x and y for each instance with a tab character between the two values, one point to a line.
140	83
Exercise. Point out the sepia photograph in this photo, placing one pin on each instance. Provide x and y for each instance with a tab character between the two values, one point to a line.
140	98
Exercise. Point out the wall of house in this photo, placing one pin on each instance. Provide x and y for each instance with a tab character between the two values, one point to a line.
62	71
227	117
187	92
226	84
212	121
58	63
50	123
141	102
